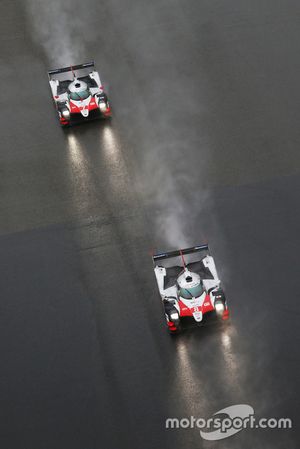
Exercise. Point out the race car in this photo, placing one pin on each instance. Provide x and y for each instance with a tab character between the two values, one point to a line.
189	287
78	94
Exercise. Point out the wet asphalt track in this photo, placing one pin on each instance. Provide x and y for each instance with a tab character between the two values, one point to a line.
209	88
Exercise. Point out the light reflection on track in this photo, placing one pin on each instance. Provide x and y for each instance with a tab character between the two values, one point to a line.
112	154
110	144
228	353
80	176
188	382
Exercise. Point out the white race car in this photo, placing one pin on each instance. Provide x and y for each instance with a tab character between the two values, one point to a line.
78	94
190	289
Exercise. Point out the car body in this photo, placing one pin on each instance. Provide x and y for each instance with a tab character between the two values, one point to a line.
189	287
78	94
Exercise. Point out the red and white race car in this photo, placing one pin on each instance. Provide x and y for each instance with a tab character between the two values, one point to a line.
190	289
78	94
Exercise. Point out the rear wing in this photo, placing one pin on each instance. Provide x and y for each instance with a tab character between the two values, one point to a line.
70	69
179	252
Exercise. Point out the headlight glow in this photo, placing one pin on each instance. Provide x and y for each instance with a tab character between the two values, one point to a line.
102	106
174	316
66	113
219	306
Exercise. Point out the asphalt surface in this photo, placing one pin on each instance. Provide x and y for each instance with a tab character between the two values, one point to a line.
203	146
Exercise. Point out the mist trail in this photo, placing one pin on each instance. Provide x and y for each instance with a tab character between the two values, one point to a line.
173	149
61	29
175	194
